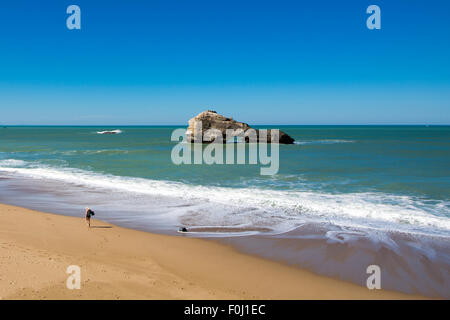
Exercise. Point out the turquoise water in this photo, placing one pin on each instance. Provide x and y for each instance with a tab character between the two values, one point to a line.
404	166
387	187
407	160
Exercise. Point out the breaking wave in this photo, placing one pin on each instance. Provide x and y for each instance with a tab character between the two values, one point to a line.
117	131
279	210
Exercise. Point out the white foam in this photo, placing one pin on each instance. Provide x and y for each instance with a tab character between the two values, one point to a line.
81	152
117	131
277	209
12	163
325	141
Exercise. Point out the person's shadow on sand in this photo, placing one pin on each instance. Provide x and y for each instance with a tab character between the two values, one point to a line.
101	227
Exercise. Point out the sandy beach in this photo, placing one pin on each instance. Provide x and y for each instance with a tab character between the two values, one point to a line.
117	263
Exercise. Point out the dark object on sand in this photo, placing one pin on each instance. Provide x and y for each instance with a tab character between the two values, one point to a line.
182	229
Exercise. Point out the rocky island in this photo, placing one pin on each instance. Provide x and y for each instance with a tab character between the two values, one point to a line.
210	119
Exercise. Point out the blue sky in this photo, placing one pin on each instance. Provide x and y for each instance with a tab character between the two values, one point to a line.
263	62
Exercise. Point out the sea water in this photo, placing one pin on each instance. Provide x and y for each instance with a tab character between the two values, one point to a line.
344	197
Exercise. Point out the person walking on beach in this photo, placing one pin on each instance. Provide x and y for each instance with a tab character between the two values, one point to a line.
89	214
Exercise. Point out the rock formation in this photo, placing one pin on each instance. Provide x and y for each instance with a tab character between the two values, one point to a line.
209	119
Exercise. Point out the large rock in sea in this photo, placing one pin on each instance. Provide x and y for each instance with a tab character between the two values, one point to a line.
212	120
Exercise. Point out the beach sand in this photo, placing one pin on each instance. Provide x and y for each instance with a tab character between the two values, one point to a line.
117	263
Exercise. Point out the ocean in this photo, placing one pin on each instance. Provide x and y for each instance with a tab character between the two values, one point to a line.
345	197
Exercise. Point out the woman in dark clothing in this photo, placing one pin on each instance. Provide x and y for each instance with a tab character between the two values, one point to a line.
89	214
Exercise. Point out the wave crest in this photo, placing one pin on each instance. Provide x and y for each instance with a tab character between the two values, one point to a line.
117	131
281	210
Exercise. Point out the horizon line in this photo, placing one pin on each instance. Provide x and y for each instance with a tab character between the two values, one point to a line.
185	125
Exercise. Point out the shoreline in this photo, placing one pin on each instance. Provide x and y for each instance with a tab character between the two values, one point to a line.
118	263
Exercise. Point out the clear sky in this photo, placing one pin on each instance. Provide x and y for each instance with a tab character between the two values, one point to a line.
262	62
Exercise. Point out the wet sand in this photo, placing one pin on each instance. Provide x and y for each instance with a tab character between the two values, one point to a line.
117	263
